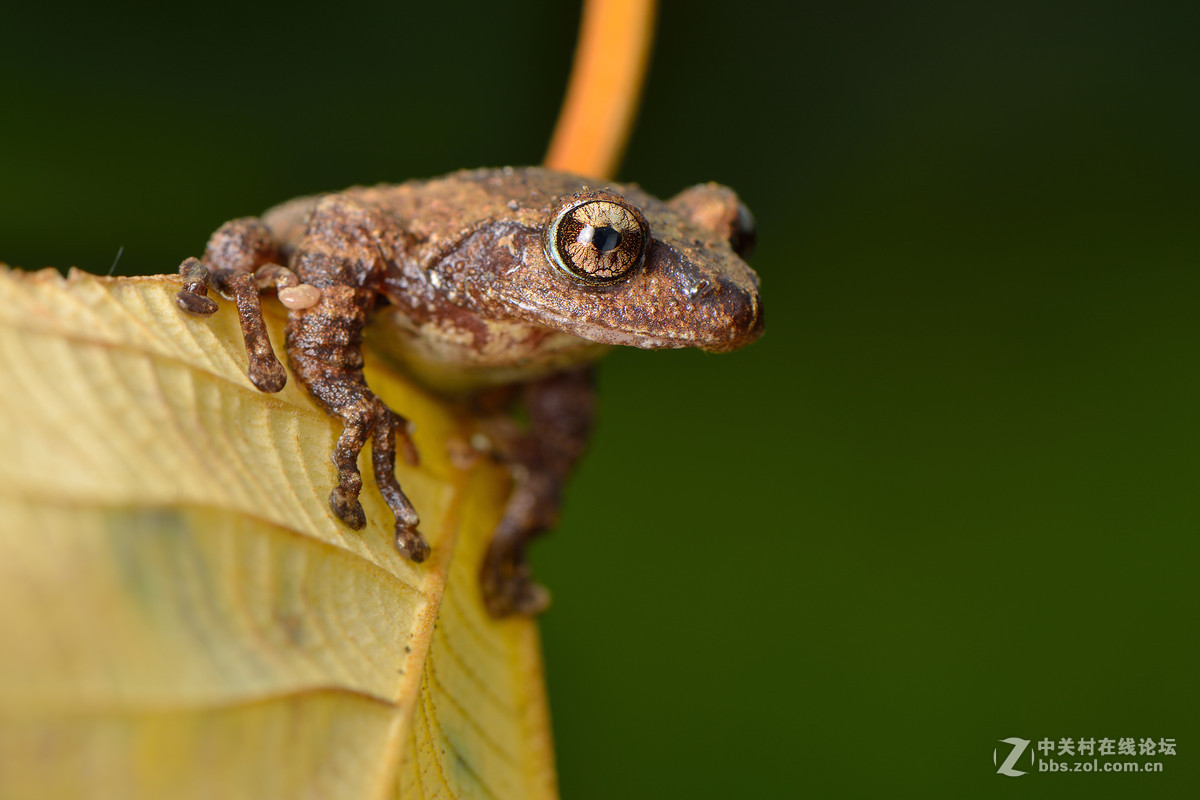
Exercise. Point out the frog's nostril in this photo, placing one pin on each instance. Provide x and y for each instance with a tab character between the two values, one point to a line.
736	316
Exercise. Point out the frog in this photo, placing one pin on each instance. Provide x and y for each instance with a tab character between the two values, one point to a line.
499	288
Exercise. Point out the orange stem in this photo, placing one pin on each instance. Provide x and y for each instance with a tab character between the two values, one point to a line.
604	88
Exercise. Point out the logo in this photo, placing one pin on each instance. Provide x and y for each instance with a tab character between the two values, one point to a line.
1018	748
1085	754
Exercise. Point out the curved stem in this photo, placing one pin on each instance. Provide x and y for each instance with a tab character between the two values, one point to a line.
604	88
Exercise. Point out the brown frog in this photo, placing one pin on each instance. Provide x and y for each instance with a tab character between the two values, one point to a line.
500	285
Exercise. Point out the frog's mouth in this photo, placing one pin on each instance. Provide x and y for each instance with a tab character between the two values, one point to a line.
713	314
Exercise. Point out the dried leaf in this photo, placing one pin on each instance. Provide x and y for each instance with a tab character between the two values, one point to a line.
182	615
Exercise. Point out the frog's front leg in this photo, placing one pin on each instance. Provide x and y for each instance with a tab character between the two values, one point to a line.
241	259
561	411
234	252
343	254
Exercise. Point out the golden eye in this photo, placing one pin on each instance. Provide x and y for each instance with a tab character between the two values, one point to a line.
598	240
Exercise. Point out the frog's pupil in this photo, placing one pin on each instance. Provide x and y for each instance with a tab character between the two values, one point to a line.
604	238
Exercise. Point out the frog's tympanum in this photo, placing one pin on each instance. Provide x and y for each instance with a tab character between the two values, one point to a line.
500	286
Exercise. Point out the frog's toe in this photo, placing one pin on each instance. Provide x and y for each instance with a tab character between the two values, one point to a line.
530	598
347	508
193	297
267	374
194	303
411	544
505	595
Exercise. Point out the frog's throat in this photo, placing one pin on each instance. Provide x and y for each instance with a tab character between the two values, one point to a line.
452	361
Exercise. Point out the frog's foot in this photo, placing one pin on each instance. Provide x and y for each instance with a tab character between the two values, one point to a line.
367	416
383	459
193	297
505	577
237	249
264	370
507	585
370	417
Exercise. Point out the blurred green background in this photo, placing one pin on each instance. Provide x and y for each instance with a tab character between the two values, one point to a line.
951	496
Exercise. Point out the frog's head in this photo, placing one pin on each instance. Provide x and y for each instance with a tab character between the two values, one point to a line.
621	267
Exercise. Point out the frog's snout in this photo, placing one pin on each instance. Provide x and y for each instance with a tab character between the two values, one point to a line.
736	309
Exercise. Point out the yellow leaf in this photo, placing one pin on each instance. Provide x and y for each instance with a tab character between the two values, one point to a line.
180	612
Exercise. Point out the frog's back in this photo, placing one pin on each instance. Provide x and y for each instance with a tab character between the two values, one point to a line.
441	209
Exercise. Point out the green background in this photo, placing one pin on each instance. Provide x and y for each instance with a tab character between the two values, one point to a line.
949	498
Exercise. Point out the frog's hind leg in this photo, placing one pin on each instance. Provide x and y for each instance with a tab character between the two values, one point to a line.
342	256
561	411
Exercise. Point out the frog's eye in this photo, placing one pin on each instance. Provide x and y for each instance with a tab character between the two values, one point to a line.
743	233
598	241
717	210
